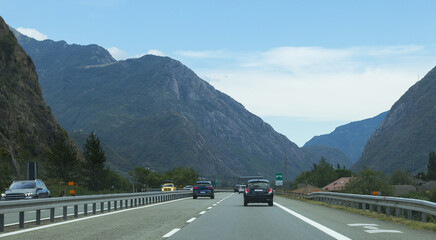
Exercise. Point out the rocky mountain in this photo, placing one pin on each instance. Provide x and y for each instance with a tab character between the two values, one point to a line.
349	138
155	112
407	134
27	126
332	155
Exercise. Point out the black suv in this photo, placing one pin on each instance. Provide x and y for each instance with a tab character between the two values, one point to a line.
258	190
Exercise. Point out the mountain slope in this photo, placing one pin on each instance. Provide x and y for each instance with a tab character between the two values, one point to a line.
155	112
349	138
332	155
27	126
407	134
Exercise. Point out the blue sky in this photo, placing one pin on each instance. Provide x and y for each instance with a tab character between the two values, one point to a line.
305	67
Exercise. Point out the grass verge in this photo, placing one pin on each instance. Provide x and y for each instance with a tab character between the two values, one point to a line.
416	225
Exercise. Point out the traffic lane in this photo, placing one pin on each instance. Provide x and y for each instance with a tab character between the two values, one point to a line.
231	220
144	222
354	226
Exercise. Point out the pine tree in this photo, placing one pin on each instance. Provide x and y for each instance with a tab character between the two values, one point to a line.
94	163
63	162
431	167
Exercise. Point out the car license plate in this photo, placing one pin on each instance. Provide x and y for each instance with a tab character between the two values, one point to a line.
258	190
203	192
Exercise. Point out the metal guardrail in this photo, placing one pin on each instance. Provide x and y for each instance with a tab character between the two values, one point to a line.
386	205
127	200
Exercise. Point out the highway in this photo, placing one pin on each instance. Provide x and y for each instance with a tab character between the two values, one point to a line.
224	217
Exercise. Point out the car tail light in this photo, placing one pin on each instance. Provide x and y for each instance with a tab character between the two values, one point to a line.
210	188
195	187
246	190
270	191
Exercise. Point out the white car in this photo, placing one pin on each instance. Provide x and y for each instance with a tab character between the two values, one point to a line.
241	188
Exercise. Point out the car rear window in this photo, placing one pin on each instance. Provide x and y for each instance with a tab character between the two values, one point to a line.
258	185
203	184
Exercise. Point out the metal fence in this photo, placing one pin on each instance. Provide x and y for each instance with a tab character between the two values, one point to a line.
110	202
402	207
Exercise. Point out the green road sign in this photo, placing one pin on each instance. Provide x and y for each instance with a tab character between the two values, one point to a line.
279	179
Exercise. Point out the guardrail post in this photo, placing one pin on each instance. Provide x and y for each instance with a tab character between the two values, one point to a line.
423	217
378	209
64	212
115	205
126	203
363	207
76	211
131	202
109	206
2	222
85	209
38	217
371	207
94	208
121	204
101	207
388	211
136	202
52	213
21	220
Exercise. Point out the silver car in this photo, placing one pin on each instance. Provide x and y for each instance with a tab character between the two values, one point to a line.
26	189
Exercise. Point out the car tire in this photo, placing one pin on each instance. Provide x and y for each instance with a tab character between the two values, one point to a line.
194	197
245	202
271	203
212	197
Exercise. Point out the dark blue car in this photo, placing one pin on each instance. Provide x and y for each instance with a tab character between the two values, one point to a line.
203	189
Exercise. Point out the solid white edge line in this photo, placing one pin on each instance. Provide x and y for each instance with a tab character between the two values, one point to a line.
85	218
171	233
323	228
191	220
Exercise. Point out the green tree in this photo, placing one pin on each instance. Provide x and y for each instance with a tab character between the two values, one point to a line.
321	175
431	167
95	159
182	176
401	177
63	162
368	181
5	170
116	182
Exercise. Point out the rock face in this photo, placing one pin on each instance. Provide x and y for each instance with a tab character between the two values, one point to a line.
27	126
155	112
349	138
407	134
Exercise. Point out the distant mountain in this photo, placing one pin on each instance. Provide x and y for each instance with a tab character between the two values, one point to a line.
349	138
407	134
27	126
155	112
332	155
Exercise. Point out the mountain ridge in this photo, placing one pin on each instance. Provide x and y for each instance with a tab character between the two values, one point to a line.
122	98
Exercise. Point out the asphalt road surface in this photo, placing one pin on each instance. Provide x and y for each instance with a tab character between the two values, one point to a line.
224	217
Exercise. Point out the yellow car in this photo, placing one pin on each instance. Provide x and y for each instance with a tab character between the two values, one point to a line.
168	187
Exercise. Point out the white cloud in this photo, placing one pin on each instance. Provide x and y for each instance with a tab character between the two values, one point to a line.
155	52
33	33
318	83
118	54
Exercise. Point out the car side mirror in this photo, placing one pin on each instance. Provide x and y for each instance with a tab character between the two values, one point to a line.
39	189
